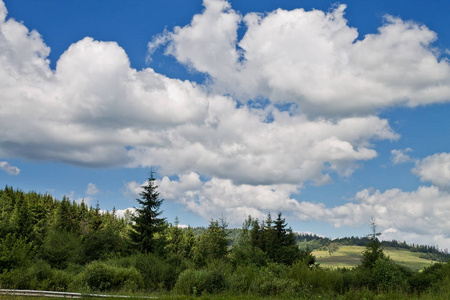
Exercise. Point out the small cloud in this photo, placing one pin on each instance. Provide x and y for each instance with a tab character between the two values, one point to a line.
123	212
400	156
435	169
92	189
11	170
132	188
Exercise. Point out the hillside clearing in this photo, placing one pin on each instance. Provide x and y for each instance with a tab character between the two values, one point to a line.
350	256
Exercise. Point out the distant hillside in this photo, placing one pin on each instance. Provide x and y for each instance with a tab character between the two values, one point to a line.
426	252
350	256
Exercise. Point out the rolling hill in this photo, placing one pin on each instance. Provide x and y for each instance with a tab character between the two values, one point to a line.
350	256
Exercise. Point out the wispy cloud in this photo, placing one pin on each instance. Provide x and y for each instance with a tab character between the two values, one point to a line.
11	170
399	156
92	189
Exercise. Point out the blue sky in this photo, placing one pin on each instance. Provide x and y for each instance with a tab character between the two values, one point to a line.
328	112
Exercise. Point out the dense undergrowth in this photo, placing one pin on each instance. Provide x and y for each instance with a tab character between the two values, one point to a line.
47	244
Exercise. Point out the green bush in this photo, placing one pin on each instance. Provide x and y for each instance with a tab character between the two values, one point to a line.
39	276
197	282
317	279
100	276
15	279
191	282
248	255
386	275
241	280
102	244
270	282
157	273
62	248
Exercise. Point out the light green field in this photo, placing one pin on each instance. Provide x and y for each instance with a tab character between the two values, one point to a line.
350	256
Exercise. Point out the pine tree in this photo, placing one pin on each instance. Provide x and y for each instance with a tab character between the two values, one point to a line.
373	250
147	222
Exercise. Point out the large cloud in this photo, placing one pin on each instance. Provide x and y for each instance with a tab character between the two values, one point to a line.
238	144
312	58
96	110
91	108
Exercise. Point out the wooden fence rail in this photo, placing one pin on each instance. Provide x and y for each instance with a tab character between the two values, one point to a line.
34	293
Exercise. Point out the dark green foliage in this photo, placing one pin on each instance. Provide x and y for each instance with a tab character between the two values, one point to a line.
244	254
60	248
386	275
156	272
430	276
148	224
14	252
102	244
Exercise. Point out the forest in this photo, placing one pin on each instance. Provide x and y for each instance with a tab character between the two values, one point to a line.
61	245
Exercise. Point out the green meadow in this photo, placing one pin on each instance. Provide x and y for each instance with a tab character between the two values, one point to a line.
350	256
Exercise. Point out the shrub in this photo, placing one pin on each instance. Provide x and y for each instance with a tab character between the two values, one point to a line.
386	275
100	276
191	282
62	248
269	281
157	273
317	279
248	255
242	279
196	282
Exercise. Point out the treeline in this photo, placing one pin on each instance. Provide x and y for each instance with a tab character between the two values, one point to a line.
67	246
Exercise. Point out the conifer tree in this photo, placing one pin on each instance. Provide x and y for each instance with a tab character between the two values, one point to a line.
147	222
373	250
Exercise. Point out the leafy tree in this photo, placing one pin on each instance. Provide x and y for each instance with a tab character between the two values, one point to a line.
147	223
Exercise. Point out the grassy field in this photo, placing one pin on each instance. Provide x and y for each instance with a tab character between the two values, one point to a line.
350	256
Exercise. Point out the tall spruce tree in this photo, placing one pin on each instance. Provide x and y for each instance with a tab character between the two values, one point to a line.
147	222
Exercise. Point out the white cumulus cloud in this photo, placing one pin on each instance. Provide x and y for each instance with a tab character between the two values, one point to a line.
312	58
